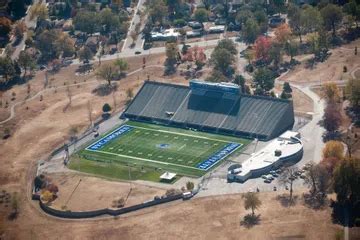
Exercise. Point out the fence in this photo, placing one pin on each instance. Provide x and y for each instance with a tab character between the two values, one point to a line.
106	211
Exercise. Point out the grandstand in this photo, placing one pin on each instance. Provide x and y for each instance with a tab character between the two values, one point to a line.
211	107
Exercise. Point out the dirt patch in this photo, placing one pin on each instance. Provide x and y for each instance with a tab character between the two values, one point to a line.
82	193
330	70
302	102
204	218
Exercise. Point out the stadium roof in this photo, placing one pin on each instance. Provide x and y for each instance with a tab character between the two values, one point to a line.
209	109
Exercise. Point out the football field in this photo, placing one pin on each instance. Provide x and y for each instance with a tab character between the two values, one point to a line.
181	151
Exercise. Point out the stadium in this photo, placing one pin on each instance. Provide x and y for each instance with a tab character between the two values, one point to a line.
187	130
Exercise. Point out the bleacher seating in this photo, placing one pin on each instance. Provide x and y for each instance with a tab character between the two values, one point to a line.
210	109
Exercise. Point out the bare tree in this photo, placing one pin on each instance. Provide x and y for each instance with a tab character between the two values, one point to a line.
287	177
350	140
89	108
69	94
114	100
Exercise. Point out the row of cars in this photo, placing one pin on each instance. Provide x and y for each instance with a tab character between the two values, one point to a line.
268	178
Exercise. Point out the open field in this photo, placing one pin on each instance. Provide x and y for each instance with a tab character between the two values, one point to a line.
202	218
147	150
85	196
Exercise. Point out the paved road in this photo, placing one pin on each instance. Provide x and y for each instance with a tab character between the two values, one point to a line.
29	24
131	52
135	20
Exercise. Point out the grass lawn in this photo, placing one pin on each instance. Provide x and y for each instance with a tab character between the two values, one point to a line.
150	150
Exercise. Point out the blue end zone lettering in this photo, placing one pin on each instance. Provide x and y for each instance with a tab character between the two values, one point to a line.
228	149
115	134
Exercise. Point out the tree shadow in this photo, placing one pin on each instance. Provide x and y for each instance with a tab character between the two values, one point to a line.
105	89
284	200
316	202
250	220
13	215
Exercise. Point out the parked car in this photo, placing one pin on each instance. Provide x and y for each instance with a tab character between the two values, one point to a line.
267	181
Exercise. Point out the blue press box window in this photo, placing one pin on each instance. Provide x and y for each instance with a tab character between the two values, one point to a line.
118	132
229	148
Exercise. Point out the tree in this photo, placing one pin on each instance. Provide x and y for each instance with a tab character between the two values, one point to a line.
122	65
201	15
262	48
222	60
171	57
86	21
106	72
240	80
304	20
64	44
46	43
157	11
286	93
106	108
333	149
129	93
26	61
243	15
14	205
5	26
190	186
18	8
264	79
332	117
73	132
216	76
85	54
7	69
347	181
108	20
227	44
46	196
332	16
330	164
350	139
19	29
291	49
287	177
250	31
282	34
331	92
251	201
39	11
353	92
353	9
90	110
318	179
275	54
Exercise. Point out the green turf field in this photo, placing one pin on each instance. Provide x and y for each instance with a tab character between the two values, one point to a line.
149	150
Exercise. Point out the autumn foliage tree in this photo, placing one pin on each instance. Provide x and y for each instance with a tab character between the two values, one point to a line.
332	117
333	149
331	92
282	34
195	54
262	48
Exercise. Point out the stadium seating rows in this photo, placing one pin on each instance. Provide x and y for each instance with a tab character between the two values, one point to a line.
209	110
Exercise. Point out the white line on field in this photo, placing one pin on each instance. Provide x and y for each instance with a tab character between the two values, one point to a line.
144	159
182	134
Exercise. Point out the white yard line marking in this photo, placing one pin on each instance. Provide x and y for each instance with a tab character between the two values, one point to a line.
182	134
182	147
145	160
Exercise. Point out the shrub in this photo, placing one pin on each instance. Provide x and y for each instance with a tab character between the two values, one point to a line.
106	108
